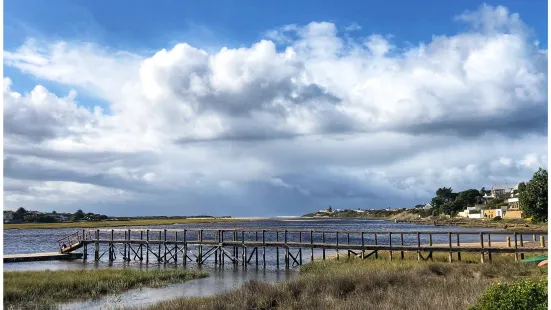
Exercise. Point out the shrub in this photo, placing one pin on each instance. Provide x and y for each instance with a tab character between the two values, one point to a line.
522	295
497	218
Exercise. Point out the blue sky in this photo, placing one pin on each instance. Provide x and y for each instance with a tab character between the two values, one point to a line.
155	24
148	26
355	118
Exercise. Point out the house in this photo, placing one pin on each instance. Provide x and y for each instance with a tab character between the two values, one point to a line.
493	213
427	206
472	214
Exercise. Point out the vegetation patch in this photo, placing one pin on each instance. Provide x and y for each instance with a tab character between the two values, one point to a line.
372	284
46	289
523	295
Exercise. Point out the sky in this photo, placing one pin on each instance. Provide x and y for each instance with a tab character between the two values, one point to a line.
266	108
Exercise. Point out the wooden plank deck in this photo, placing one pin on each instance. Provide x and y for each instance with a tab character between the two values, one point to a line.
14	258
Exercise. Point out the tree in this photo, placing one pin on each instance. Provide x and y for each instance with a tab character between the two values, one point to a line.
330	209
79	215
533	197
446	193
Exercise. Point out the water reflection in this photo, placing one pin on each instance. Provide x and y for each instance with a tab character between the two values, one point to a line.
217	282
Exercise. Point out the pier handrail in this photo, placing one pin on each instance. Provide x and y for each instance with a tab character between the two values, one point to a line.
69	241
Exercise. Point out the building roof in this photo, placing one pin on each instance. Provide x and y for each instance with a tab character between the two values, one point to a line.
504	186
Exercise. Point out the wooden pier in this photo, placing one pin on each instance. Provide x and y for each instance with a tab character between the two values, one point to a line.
17	258
249	247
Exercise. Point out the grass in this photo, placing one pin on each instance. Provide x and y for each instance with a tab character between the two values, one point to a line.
372	284
45	289
116	223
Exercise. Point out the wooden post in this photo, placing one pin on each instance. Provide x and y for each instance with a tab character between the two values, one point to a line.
235	246
458	245
111	250
200	247
124	251
159	250
256	247
542	241
96	250
147	244
376	251
85	250
508	241
277	249
430	244
300	249
363	245
164	243
323	242
185	247
176	248
244	249
348	242
141	245
490	246
482	247
516	248
418	246
390	245
264	247
337	245
450	244
286	251
128	256
311	245
402	245
534	237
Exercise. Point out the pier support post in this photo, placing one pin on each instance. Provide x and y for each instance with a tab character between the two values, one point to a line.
337	235
516	247
482	247
521	246
147	247
141	245
390	245
450	258
96	251
256	247
159	247
323	242
264	247
176	247
311	245
277	249
458	245
402	245
185	247
111	249
286	251
418	246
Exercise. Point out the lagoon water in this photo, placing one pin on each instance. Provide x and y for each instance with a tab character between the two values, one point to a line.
220	279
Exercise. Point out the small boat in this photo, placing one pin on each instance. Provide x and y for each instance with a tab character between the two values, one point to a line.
535	259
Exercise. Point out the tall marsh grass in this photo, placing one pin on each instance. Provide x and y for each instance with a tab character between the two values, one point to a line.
371	284
45	289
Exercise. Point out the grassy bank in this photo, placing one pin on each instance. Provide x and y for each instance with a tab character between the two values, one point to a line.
45	289
372	284
118	223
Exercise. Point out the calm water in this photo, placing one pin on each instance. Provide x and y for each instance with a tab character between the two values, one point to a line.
220	279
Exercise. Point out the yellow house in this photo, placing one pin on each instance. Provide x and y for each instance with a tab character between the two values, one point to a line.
492	213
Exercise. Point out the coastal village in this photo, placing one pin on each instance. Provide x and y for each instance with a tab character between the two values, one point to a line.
501	201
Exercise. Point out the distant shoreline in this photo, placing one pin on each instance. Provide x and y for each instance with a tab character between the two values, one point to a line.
101	224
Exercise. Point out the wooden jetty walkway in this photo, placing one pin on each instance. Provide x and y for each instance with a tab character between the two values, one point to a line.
249	247
16	258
